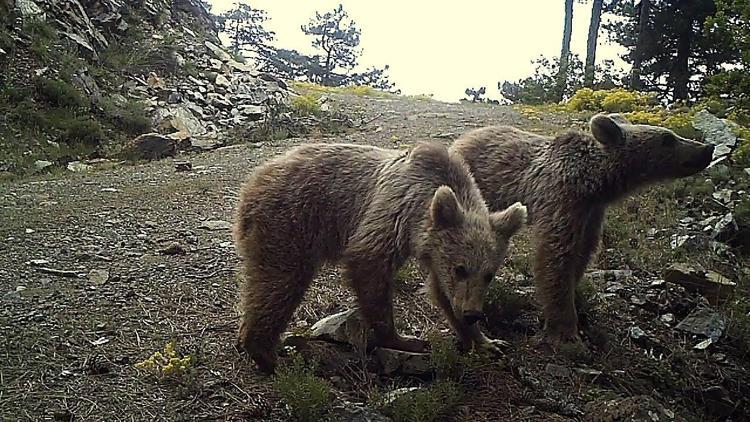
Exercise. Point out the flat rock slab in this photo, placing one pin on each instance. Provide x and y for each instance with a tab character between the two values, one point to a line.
391	361
713	286
705	322
343	327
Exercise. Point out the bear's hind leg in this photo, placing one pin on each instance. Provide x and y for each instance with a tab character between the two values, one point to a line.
269	299
374	289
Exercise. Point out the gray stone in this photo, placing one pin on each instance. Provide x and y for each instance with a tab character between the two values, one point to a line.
715	131
704	321
558	371
222	81
183	165
724	196
218	52
174	98
78	167
42	164
98	277
216	225
219	101
400	362
667	318
150	146
354	412
29	9
713	286
725	229
343	327
206	142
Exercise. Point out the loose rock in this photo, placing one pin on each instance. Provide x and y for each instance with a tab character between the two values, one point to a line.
713	286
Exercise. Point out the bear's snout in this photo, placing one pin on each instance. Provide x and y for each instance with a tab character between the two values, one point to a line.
700	160
471	317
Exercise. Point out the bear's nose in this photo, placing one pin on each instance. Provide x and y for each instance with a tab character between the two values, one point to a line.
471	317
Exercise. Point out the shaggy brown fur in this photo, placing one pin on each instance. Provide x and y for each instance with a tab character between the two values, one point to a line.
567	182
368	209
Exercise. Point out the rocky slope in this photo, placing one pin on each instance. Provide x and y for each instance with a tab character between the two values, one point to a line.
139	66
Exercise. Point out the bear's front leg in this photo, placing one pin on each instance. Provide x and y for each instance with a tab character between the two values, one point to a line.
482	343
563	252
554	272
373	285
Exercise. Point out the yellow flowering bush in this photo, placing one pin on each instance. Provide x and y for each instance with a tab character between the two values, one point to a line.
616	100
167	363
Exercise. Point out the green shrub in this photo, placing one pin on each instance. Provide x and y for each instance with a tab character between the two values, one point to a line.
502	303
306	105
58	93
436	402
42	36
130	117
14	94
82	130
741	155
308	396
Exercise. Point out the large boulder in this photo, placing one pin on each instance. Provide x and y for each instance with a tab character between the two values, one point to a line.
150	146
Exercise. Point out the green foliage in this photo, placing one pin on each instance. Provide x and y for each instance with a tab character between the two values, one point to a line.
337	38
436	402
131	117
502	303
42	35
306	105
244	27
83	130
307	395
738	330
58	93
542	87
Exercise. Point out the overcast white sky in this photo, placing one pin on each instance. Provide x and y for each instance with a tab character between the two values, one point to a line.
441	48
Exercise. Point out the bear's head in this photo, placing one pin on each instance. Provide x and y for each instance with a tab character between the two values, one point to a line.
649	153
462	249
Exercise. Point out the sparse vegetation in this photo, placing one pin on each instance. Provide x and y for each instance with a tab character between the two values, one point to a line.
432	403
306	105
58	93
307	395
168	364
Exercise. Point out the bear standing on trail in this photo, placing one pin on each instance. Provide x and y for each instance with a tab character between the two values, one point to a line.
567	182
369	209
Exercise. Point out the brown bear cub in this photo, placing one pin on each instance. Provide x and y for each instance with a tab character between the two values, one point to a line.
567	182
368	209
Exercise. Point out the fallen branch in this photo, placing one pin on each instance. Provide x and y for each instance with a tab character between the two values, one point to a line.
60	273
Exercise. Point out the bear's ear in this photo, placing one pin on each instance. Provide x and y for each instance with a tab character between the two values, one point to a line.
619	119
509	221
606	130
445	212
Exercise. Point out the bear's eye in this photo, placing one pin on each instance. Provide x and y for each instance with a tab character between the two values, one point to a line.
488	277
461	272
669	140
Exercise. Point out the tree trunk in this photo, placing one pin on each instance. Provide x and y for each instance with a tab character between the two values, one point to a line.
681	72
596	19
562	74
643	18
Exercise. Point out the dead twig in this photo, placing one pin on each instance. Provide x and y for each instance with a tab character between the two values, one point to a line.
60	273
